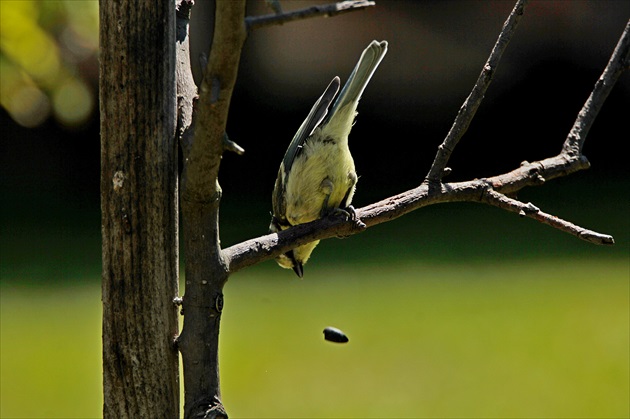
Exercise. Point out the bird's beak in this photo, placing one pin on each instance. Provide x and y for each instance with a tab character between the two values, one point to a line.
298	269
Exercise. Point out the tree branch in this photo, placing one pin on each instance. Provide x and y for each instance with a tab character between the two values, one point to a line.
255	22
206	273
619	61
471	104
491	190
499	200
211	113
267	247
186	87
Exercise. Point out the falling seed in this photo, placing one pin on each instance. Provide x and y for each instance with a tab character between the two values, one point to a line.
333	334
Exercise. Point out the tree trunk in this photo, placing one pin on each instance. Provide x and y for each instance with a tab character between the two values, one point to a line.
139	209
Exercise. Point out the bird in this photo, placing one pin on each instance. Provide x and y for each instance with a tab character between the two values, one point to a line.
317	175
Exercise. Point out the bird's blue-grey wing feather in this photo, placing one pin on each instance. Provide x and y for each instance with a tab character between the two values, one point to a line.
312	121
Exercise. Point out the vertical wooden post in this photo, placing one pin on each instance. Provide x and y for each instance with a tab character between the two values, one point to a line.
139	209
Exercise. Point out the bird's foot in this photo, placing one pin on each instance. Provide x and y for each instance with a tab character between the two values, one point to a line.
351	215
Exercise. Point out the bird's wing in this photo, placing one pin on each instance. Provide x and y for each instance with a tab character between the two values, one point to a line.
312	121
359	78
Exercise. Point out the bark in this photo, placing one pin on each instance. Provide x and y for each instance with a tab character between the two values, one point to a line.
139	209
206	271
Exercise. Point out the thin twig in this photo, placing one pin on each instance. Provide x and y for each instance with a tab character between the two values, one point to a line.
230	145
255	22
619	61
499	200
471	104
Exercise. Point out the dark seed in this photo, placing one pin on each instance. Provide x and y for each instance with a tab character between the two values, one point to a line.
333	334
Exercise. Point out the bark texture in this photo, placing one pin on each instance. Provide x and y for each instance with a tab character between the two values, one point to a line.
206	272
139	209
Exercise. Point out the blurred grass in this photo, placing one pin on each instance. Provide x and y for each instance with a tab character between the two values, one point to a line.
453	311
547	339
51	352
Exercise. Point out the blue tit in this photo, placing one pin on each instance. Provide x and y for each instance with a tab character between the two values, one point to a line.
317	176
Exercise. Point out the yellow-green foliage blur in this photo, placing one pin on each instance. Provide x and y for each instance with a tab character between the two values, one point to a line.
45	47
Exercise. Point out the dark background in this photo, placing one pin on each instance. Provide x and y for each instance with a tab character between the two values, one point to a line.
50	174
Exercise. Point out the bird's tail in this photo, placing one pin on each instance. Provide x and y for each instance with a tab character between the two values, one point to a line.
358	80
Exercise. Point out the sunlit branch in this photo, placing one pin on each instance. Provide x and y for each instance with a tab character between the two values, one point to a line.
256	22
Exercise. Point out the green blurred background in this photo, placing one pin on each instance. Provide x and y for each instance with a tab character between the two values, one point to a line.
455	310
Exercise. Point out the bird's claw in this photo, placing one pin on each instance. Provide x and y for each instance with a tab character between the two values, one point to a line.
351	215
